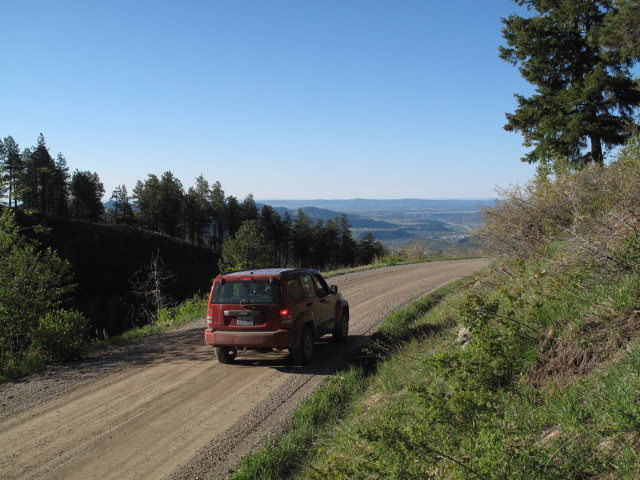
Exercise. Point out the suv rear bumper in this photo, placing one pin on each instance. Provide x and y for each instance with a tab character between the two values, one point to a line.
279	338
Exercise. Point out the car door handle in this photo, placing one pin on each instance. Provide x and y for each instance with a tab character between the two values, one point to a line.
310	304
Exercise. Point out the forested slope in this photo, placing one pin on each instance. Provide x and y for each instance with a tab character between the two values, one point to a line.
105	260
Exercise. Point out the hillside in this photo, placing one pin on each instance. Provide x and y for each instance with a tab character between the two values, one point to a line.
528	370
105	259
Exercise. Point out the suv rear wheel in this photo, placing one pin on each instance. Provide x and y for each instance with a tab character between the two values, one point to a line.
226	354
303	351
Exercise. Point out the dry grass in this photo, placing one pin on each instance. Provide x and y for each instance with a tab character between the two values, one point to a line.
583	348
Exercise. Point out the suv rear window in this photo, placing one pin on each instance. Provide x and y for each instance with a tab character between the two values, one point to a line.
244	292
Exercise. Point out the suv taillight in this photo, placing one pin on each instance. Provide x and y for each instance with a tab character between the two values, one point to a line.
209	317
286	320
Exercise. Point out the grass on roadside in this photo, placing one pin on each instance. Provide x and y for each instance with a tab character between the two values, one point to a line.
279	458
168	317
489	410
548	388
314	419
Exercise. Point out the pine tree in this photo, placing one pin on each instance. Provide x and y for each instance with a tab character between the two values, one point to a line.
585	99
202	219
146	197
4	186
217	204
620	34
170	204
248	209
86	192
60	187
232	216
368	249
10	168
347	246
37	178
250	248
122	211
271	225
302	239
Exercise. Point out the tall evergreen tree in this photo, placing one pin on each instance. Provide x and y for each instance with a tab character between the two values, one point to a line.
325	245
248	209
250	248
190	214
37	179
197	210
301	236
122	211
86	192
286	239
203	209
10	168
232	216
4	184
368	249
585	99
218	207
170	204
22	188
347	245
60	187
271	225
146	197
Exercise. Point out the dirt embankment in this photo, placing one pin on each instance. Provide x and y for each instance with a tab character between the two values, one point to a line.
165	408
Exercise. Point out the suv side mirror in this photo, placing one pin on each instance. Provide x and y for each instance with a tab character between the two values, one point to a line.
333	289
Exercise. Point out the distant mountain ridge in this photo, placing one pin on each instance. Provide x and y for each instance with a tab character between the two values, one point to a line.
396	221
356	221
359	205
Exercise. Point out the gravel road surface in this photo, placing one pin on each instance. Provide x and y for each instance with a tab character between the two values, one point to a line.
165	408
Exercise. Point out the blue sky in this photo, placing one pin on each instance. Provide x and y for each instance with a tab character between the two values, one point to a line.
287	99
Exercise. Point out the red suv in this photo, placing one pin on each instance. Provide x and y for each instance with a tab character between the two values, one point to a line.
273	308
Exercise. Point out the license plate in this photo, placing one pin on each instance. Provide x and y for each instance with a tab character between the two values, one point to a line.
244	321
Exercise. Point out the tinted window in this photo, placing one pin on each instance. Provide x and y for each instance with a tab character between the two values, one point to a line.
309	288
321	286
246	292
295	289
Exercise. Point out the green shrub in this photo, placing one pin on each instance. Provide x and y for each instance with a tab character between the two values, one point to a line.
61	335
191	309
33	281
195	307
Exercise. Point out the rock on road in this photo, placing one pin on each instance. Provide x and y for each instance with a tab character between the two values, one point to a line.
165	408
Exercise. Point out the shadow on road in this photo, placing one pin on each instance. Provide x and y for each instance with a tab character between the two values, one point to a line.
327	357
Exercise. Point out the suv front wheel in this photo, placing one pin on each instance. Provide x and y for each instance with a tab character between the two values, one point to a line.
303	351
342	331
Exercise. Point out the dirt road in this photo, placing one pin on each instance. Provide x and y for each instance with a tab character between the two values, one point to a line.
167	409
